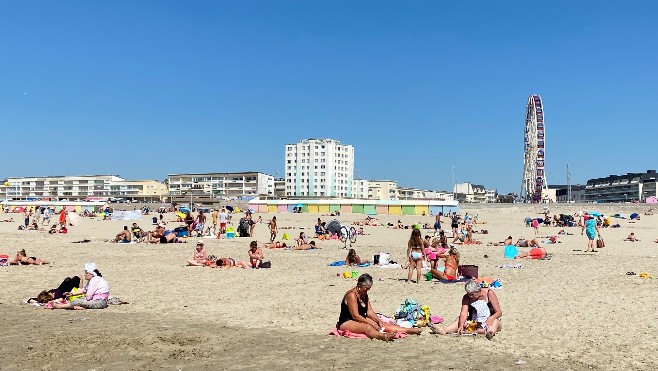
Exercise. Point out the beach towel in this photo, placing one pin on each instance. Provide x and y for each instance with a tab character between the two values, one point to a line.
460	279
511	251
338	263
352	335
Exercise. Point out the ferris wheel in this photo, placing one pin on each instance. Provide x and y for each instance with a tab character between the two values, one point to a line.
534	182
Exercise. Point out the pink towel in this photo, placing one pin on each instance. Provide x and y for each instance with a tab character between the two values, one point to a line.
352	335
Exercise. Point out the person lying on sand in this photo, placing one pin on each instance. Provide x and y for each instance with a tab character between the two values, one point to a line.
505	242
21	258
309	246
354	259
357	315
631	237
525	243
480	313
96	292
67	285
535	253
228	263
275	245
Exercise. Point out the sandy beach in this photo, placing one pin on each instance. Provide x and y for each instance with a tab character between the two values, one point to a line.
576	311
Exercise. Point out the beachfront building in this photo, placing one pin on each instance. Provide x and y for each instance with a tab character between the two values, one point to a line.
319	168
279	188
360	188
562	193
622	188
382	190
82	187
474	193
140	190
219	186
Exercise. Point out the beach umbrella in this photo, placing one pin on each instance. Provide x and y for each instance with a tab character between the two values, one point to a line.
334	227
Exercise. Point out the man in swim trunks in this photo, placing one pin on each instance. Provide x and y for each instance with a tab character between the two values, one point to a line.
123	236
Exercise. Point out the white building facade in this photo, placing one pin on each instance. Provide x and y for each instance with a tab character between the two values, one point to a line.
222	186
80	187
360	188
319	168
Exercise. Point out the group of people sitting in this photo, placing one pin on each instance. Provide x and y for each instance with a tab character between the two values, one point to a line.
159	235
479	313
201	258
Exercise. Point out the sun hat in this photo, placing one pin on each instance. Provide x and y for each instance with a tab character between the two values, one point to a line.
199	242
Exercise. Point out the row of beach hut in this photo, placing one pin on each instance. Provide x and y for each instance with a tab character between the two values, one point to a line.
369	207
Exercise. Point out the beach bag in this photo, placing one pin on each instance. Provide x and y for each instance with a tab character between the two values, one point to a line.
285	236
4	260
599	243
265	265
469	271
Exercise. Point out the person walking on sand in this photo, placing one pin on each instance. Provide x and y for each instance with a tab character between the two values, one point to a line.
273	229
535	225
592	230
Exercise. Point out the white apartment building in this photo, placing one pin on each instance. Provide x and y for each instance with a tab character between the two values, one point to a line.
475	193
81	187
383	190
223	186
360	188
320	168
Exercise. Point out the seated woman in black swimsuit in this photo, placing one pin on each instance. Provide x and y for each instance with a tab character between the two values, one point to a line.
357	316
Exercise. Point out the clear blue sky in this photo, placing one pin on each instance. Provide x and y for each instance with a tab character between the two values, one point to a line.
142	89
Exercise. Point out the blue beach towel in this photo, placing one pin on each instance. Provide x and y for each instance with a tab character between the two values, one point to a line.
338	263
511	251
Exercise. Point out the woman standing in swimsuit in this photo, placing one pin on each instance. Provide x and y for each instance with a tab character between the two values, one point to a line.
416	254
357	315
450	268
480	308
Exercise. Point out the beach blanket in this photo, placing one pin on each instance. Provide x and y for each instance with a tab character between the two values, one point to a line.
511	251
127	215
340	263
390	266
461	279
352	335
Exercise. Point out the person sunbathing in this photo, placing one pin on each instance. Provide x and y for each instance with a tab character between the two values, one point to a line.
525	243
354	259
631	237
302	240
169	238
357	315
480	313
505	242
67	285
275	245
96	292
535	253
199	256
309	246
255	255
21	258
228	263
449	272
